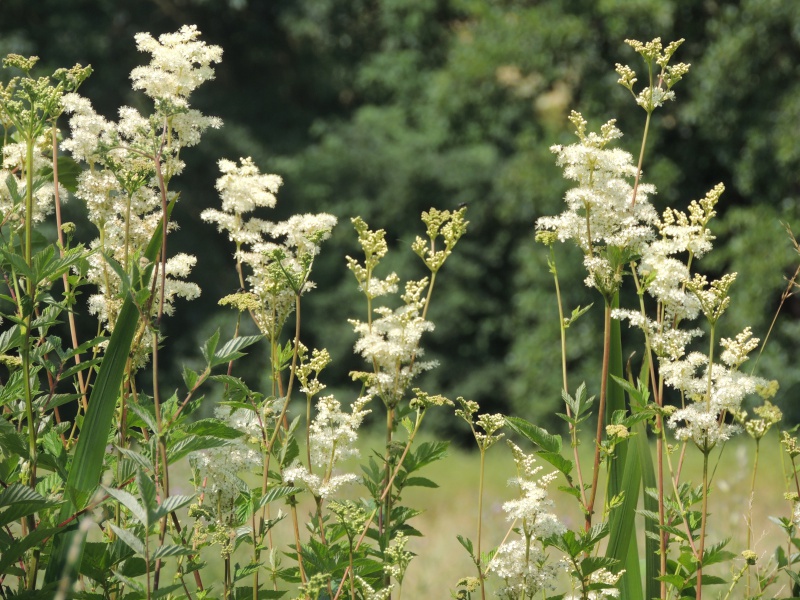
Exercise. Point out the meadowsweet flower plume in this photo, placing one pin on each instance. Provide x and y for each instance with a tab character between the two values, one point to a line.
600	214
279	256
132	161
333	434
522	563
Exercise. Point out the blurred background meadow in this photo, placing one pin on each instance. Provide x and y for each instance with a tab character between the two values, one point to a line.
451	510
384	108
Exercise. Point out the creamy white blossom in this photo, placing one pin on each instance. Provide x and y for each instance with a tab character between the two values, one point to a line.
522	564
391	343
218	470
279	255
332	438
601	576
600	210
180	63
13	166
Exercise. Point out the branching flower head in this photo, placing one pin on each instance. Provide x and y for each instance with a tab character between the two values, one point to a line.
333	435
712	395
601	217
450	226
391	343
655	56
180	63
522	563
279	269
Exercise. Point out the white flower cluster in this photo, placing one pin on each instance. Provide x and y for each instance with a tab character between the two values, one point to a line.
702	420
218	470
391	343
133	159
180	63
13	167
522	563
601	576
279	272
333	434
602	212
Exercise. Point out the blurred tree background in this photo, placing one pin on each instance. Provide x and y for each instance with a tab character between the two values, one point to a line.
384	108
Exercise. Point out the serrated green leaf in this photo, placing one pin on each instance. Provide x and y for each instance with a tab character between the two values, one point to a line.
20	501
210	347
214	428
171	504
193	443
276	493
147	489
145	415
127	500
130	582
171	550
248	569
12	553
467	543
190	377
129	538
539	436
564	465
590	564
420	482
233	349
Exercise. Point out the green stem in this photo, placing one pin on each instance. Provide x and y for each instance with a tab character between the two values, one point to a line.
478	560
573	430
600	414
33	565
703	521
641	158
750	510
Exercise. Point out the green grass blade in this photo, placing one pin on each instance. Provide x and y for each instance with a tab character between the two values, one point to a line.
87	465
652	564
622	543
651	546
624	477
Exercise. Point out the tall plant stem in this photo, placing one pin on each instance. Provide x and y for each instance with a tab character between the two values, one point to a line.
65	278
600	413
281	420
384	517
162	187
750	510
162	453
29	290
33	564
478	560
703	521
657	384
573	431
641	158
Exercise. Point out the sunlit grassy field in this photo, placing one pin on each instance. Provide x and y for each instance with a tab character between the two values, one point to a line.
451	509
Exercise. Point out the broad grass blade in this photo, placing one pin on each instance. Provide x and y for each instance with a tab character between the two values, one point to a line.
624	477
87	464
